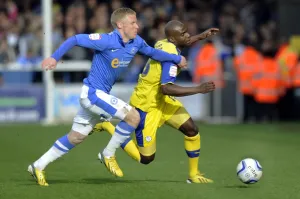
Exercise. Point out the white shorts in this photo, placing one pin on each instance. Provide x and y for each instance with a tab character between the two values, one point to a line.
96	106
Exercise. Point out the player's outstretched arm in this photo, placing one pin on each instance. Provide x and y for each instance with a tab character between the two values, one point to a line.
162	56
179	91
51	62
92	41
209	32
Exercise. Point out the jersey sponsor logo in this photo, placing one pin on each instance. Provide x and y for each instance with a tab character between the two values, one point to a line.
173	71
94	36
115	63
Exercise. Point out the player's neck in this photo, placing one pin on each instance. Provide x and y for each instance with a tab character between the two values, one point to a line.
178	47
124	38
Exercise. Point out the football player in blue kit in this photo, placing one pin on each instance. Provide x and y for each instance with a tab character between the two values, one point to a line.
112	52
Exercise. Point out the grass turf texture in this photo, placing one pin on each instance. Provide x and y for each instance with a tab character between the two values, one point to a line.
79	174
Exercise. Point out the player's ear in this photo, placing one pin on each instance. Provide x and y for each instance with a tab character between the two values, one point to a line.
171	39
119	24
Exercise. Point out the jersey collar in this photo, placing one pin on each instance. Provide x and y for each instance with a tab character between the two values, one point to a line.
120	37
178	50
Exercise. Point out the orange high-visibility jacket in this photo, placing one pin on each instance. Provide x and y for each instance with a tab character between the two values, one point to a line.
208	66
267	82
296	76
245	65
287	60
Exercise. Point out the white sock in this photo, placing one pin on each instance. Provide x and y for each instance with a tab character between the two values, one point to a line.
114	143
52	154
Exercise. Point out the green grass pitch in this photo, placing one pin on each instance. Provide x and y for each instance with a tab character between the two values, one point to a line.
79	174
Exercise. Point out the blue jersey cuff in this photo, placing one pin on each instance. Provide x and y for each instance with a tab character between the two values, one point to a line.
177	59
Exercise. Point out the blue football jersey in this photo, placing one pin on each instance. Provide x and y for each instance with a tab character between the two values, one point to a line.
111	54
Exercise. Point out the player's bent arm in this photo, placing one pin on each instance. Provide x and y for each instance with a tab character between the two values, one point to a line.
162	56
92	41
209	32
158	55
168	77
179	91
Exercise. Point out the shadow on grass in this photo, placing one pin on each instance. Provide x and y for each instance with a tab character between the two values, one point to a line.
101	181
237	186
117	180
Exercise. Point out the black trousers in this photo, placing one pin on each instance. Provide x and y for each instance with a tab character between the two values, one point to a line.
286	106
267	112
250	107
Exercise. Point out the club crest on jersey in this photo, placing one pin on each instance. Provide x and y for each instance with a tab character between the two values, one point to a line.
115	63
133	50
113	100
95	36
148	138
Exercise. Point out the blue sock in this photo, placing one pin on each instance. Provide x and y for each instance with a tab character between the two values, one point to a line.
63	144
122	133
124	129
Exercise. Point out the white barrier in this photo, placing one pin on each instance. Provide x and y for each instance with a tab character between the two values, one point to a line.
67	101
199	106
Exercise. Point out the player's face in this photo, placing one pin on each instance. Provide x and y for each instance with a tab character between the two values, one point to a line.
130	26
181	36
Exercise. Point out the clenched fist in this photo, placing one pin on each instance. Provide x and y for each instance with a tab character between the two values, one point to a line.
49	64
210	32
183	62
206	87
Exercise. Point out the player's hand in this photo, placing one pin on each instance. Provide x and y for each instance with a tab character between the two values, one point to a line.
49	64
206	87
209	32
183	62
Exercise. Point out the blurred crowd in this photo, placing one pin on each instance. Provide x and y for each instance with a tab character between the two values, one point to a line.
264	65
240	21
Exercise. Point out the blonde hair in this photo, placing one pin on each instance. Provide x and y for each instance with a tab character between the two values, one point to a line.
119	14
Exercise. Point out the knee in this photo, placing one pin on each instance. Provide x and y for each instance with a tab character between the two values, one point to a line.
133	117
147	159
191	130
75	137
